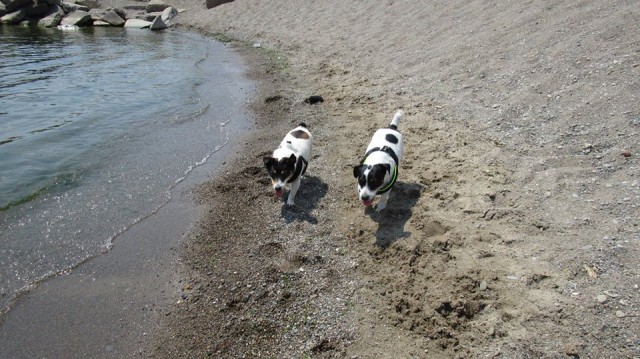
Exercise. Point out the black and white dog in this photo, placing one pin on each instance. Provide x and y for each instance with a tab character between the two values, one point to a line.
289	162
378	171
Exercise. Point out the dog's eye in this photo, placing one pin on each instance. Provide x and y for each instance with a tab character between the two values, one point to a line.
375	179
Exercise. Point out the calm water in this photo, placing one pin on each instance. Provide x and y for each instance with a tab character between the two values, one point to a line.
97	128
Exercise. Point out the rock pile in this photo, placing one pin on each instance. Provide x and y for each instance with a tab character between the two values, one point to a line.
154	14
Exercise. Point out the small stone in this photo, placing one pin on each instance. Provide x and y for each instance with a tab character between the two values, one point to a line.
492	331
572	349
610	294
314	99
620	314
601	298
626	153
483	285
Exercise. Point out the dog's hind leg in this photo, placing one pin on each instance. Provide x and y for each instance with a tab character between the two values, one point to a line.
382	204
292	194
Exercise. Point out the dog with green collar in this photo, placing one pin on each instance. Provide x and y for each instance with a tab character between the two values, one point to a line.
378	170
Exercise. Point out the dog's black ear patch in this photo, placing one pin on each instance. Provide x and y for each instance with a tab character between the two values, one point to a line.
268	161
387	167
292	160
357	170
391	138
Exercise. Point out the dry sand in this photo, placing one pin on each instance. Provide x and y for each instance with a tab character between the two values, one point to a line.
513	231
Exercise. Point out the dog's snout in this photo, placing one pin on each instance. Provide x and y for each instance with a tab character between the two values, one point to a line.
365	197
278	188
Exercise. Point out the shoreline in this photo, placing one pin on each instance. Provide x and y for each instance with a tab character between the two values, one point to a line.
110	304
240	197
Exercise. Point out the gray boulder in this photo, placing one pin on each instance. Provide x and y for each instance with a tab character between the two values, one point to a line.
158	24
213	3
156	6
53	18
113	18
69	7
137	23
108	16
3	9
169	13
77	18
13	17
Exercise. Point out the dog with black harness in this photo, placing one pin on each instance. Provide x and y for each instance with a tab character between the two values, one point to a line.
289	161
378	170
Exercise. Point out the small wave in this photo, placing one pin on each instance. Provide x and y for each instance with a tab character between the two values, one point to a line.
50	127
191	116
10	139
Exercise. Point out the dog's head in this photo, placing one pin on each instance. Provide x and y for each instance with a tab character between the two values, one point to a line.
280	171
371	178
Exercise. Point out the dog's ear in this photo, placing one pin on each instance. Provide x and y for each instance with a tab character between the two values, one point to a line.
268	161
357	170
292	160
387	167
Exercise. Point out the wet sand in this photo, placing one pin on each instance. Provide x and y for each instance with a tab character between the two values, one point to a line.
110	305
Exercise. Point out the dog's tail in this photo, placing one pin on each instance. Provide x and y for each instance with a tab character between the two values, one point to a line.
396	120
302	124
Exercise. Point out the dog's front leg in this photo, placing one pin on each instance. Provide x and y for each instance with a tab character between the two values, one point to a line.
383	202
292	194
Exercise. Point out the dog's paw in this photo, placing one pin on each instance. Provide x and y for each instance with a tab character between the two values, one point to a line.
290	204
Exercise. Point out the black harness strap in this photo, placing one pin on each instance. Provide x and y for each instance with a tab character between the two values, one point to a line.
300	169
386	149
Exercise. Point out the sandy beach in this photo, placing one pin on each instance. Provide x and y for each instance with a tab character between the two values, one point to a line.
513	229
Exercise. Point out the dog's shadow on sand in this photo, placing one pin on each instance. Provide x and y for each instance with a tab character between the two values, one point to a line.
311	191
392	219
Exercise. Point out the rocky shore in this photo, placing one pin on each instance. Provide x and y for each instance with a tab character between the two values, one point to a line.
155	15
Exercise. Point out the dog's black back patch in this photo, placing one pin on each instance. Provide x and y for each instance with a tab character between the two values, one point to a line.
300	134
391	138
